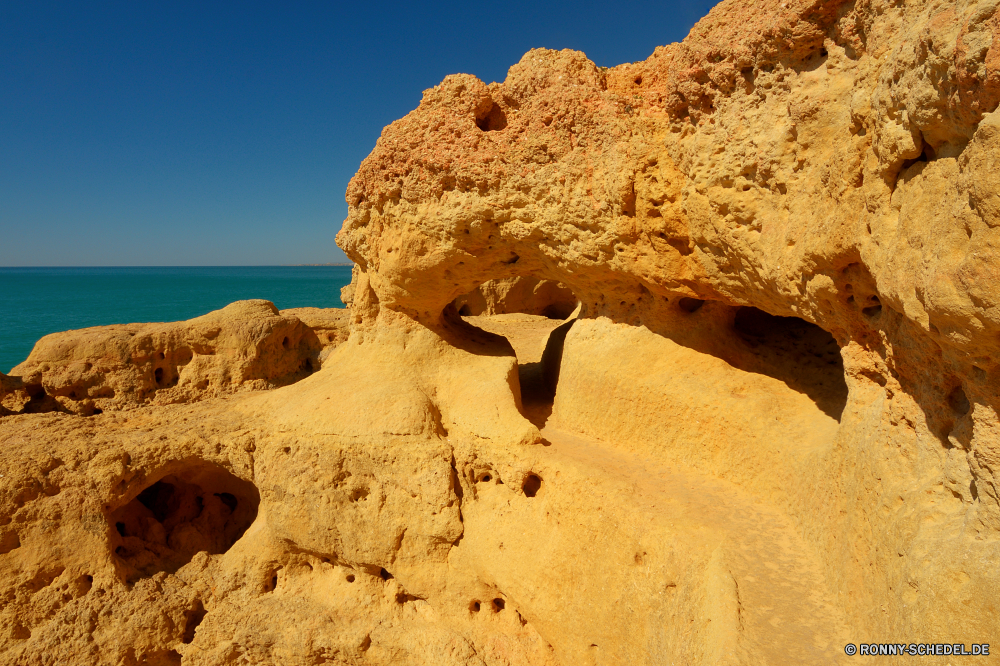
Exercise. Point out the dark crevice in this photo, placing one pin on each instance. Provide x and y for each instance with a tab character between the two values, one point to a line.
690	305
199	507
192	619
492	119
802	355
532	485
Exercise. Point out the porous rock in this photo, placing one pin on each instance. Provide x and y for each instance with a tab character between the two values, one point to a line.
525	295
245	345
769	430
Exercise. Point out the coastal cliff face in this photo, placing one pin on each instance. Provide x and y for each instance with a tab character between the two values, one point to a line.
766	427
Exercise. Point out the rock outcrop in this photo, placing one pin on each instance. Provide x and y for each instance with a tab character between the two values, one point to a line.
769	429
247	345
332	326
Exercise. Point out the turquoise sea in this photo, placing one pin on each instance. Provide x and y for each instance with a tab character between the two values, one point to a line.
38	301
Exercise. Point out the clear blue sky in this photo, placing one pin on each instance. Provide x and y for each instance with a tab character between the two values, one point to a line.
211	133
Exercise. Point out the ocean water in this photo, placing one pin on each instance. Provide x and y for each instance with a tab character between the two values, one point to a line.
38	301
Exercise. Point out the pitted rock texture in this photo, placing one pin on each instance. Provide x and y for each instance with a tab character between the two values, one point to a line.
332	326
524	295
829	161
768	429
245	346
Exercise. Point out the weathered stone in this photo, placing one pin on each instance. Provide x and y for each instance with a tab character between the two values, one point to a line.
769	429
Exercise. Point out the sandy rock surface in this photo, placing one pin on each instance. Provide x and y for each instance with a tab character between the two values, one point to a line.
768	428
245	346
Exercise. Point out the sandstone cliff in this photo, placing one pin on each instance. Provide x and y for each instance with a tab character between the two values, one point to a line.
769	428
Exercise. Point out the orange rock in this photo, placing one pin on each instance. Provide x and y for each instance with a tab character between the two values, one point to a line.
769	428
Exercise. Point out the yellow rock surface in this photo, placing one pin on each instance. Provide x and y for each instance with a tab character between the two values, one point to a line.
767	428
246	345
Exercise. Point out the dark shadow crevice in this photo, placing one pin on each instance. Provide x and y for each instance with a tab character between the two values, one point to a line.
199	507
802	355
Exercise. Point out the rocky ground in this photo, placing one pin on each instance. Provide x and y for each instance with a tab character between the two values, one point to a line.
692	360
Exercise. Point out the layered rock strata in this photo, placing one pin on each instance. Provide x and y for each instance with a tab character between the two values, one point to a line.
769	429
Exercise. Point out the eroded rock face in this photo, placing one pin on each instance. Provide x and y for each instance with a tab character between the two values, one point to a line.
832	162
525	295
245	346
774	411
332	326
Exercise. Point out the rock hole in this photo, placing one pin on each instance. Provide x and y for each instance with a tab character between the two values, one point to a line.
492	119
690	305
284	343
802	355
158	376
532	484
474	607
402	597
192	619
19	632
365	643
161	356
959	402
485	478
874	309
350	578
229	500
9	540
271	584
199	507
638	80
384	575
498	605
518	295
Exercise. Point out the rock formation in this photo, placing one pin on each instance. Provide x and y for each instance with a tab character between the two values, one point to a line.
245	346
525	295
769	428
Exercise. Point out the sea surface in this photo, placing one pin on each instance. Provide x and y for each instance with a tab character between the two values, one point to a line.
38	301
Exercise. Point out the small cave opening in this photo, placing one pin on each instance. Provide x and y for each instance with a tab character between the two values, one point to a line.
528	312
801	354
200	507
192	618
491	119
690	305
520	295
532	485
